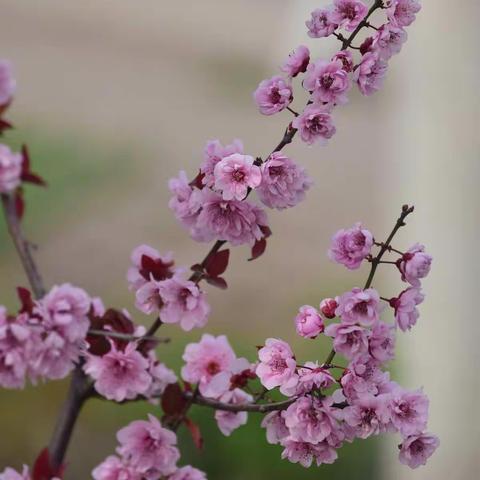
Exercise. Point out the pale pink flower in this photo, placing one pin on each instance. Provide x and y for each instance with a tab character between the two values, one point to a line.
188	473
359	306
388	40
113	468
10	169
381	343
147	446
273	95
119	374
213	152
405	305
417	449
235	174
297	61
408	411
415	264
370	73
346	57
305	453
327	81
148	299
348	13
161	377
183	303
284	183
320	24
402	12
229	421
277	367
274	423
315	124
7	82
328	307
312	377
308	322
11	474
349	340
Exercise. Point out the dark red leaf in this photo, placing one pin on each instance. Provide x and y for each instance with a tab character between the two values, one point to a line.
218	282
19	204
266	231
30	177
4	125
25	298
258	249
366	46
26	159
198	181
218	263
197	268
155	267
173	401
43	469
195	432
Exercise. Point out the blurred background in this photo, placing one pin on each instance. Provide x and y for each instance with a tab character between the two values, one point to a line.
114	97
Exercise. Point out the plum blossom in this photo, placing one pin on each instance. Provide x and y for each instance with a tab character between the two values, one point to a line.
417	449
114	468
119	374
351	246
327	81
11	474
388	40
284	183
328	307
320	24
161	377
359	306
344	56
315	124
273	95
274	423
381	344
277	367
147	447
402	12
10	169
405	305
188	473
348	13
7	82
308	322
408	411
229	421
370	73
305	453
312	376
235	174
297	61
349	340
213	153
415	264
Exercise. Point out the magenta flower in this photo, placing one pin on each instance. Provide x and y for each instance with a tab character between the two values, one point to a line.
11	474
344	56
402	12
308	322
327	81
408	411
274	423
273	95
370	73
348	13
277	367
10	169
417	449
147	446
359	306
213	152
284	183
113	468
305	453
7	82
229	421
188	473
406	313
297	61
349	340
328	307
388	40
320	24
235	174
351	246
381	343
415	264
119	374
315	124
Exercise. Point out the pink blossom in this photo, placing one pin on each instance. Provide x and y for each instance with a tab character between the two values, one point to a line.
10	169
297	61
11	474
328	307
188	473
308	322
212	154
211	363
183	302
327	81
284	183
349	340
370	73
321	25
344	56
147	446
312	376
417	449
231	220
359	306
305	453
315	124
273	95
119	375
408	411
229	421
113	468
235	174
348	13
148	299
351	246
277	367
402	12
381	343
7	82
388	40
406	313
274	423
415	264
161	377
